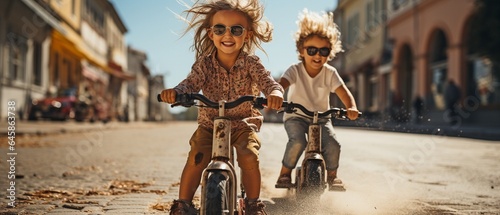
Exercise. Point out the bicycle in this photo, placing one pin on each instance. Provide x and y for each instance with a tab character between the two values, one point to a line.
219	181
310	177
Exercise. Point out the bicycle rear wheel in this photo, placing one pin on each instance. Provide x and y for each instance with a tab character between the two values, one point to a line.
313	186
216	199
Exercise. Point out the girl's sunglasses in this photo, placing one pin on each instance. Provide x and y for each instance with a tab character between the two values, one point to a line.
236	30
323	52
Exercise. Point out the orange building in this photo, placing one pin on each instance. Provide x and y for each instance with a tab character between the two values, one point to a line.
424	47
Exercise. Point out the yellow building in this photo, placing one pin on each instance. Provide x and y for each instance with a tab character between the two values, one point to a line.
91	53
362	27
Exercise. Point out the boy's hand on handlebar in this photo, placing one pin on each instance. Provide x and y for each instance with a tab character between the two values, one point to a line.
352	113
275	100
168	95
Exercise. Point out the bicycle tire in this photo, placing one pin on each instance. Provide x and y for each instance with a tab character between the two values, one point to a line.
216	201
313	185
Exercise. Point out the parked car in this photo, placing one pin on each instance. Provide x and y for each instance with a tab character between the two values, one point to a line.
60	107
67	105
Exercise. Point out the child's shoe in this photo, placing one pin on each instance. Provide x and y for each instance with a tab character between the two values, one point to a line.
335	184
284	181
180	207
254	207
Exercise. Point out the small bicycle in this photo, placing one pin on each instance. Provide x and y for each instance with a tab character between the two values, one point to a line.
310	178
219	181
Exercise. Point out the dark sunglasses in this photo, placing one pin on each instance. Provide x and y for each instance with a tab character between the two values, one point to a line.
236	30
324	52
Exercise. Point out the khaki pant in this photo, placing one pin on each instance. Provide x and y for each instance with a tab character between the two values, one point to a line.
245	141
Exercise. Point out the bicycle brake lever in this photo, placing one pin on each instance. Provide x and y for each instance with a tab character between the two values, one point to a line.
183	104
175	104
259	103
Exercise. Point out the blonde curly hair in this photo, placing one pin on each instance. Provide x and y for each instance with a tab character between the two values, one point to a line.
200	15
313	24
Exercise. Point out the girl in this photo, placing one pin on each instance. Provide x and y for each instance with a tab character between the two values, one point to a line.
311	81
226	33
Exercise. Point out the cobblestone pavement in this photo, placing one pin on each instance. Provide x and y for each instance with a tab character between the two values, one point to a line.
95	169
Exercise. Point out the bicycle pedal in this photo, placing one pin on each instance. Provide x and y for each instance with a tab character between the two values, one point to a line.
337	188
284	185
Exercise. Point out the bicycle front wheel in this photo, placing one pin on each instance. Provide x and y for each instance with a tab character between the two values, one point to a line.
216	198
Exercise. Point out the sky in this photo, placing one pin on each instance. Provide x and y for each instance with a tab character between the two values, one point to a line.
154	29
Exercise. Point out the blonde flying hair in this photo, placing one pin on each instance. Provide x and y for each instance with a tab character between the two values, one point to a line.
200	15
313	24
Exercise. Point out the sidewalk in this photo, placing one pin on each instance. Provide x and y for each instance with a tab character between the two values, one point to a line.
467	131
459	130
52	127
60	169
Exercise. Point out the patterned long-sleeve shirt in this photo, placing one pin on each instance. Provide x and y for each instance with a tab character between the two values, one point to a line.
247	77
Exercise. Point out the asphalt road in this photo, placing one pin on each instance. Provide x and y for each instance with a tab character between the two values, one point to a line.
398	173
135	169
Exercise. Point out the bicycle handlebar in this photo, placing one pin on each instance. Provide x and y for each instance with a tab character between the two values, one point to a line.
187	100
339	113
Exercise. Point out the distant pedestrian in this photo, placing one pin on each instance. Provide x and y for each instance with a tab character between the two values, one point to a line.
418	106
451	98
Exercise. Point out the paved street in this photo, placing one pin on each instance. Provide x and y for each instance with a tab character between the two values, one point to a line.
134	169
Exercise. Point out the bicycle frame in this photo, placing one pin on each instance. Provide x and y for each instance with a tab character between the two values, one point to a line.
310	178
312	153
222	161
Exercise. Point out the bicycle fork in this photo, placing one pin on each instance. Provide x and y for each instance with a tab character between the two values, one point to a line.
222	160
312	153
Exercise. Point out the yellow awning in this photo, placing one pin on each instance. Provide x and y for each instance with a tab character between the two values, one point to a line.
60	41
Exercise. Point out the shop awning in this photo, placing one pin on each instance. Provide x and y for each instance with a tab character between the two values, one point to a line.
94	73
117	71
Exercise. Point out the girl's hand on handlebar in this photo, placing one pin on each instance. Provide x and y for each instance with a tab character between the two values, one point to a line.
352	113
275	100
168	95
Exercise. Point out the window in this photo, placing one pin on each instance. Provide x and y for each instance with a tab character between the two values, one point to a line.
374	16
438	85
397	4
55	77
94	15
17	57
353	30
370	16
73	7
486	81
37	64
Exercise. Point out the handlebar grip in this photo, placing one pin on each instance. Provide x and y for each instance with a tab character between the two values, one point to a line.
158	97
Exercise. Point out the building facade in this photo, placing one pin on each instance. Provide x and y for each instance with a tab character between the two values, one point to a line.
25	39
157	111
401	50
138	89
118	64
53	46
364	36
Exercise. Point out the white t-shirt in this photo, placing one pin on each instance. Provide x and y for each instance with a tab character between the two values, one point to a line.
312	93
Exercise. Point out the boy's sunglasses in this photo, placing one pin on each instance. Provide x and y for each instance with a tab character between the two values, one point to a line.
324	52
236	30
